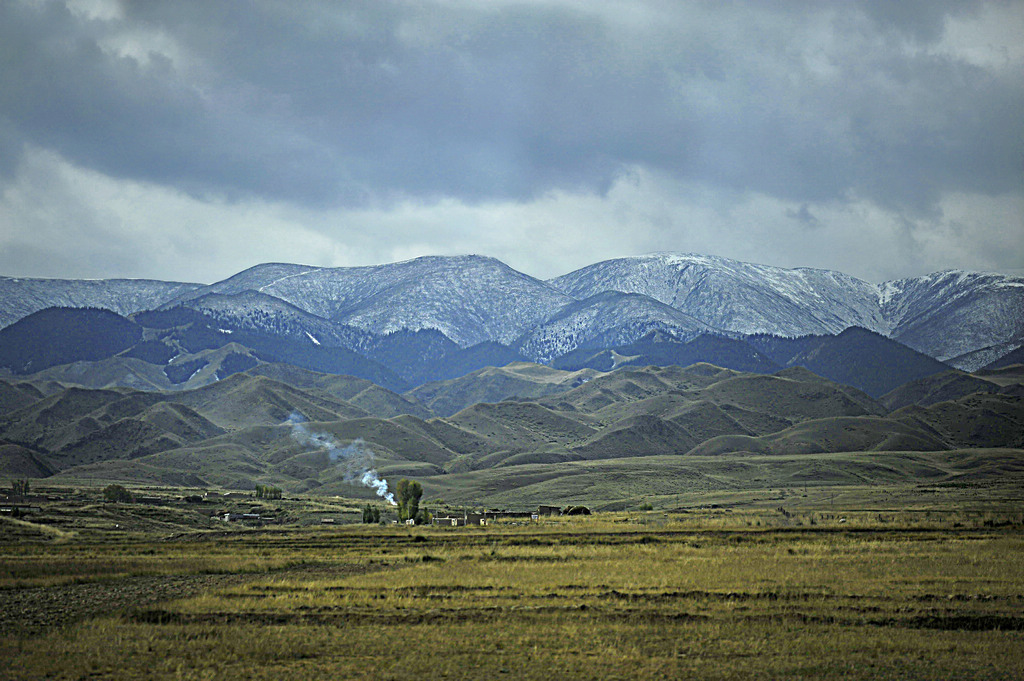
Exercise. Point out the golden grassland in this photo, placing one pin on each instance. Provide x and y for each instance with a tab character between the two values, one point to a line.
711	594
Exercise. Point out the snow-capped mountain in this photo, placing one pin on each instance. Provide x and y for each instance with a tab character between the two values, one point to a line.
470	299
606	320
20	297
474	299
254	311
945	315
948	314
736	296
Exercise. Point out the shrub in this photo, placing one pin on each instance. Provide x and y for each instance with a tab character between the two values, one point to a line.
576	510
117	494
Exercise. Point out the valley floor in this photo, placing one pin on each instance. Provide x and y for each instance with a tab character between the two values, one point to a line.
809	592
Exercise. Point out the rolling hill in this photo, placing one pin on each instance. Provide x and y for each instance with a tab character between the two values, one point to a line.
521	380
523	426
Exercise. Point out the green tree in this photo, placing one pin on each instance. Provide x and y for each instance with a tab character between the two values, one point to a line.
408	493
268	492
20	488
371	514
117	494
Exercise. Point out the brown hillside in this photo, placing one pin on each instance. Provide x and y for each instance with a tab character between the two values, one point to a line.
523	381
792	399
19	462
644	435
368	396
930	390
977	420
241	400
15	396
818	436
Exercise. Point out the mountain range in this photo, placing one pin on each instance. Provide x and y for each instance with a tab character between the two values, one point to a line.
475	377
966	319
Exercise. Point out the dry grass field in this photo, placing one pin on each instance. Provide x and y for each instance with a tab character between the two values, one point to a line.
768	593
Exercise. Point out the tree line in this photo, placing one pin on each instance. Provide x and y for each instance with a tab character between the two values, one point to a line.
407	495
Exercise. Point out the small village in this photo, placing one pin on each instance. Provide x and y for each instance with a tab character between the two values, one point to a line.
58	506
467	518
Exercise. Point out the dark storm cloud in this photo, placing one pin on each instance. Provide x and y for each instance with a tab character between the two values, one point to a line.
322	103
804	216
919	20
191	139
147	121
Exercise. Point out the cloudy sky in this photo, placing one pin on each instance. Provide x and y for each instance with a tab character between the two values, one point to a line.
188	140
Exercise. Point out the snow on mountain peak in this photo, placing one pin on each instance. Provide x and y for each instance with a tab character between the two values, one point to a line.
733	295
474	298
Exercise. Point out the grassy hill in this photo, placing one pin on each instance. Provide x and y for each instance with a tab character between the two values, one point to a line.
14	396
359	392
545	433
819	436
977	420
17	462
519	380
736	479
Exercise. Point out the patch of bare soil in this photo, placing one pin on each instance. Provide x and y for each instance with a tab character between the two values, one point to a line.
31	611
34	610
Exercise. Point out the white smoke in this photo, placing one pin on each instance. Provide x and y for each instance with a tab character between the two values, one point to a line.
355	460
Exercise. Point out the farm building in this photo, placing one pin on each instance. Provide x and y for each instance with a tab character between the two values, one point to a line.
460	520
18	509
484	518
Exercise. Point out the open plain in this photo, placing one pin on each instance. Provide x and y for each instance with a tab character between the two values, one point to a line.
805	587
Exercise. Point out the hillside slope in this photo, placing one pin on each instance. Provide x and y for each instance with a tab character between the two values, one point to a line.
526	426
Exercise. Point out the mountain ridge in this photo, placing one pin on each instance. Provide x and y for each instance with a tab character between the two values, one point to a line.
966	318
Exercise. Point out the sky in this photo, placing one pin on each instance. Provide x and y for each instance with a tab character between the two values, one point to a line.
189	140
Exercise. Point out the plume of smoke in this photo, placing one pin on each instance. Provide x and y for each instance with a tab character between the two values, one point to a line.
355	459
